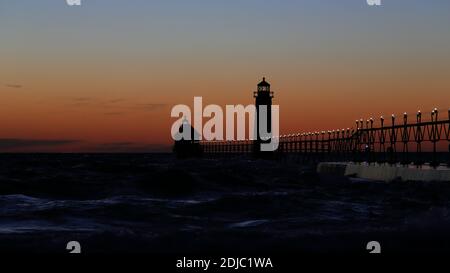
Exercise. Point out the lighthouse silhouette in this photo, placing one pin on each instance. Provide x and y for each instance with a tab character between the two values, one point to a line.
263	97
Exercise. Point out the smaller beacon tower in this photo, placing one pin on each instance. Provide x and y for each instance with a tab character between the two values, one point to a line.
190	147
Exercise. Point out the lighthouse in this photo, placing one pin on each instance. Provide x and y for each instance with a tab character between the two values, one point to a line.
263	97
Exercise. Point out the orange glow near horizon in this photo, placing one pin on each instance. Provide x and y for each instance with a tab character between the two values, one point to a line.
105	119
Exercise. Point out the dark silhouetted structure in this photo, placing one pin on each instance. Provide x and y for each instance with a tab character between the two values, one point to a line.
263	97
189	147
406	142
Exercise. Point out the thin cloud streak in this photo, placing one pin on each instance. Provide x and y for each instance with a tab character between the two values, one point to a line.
16	143
150	106
114	104
17	86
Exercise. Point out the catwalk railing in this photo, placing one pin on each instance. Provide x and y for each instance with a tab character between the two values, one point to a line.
406	142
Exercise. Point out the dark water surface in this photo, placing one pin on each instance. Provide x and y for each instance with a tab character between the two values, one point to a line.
138	203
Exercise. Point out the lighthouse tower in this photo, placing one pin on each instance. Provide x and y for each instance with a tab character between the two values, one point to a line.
263	96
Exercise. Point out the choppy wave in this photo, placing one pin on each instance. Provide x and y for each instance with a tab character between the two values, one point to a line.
155	203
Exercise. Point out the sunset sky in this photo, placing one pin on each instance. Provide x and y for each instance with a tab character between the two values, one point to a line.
103	77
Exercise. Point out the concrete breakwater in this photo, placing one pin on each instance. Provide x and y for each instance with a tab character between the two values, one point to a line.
384	172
